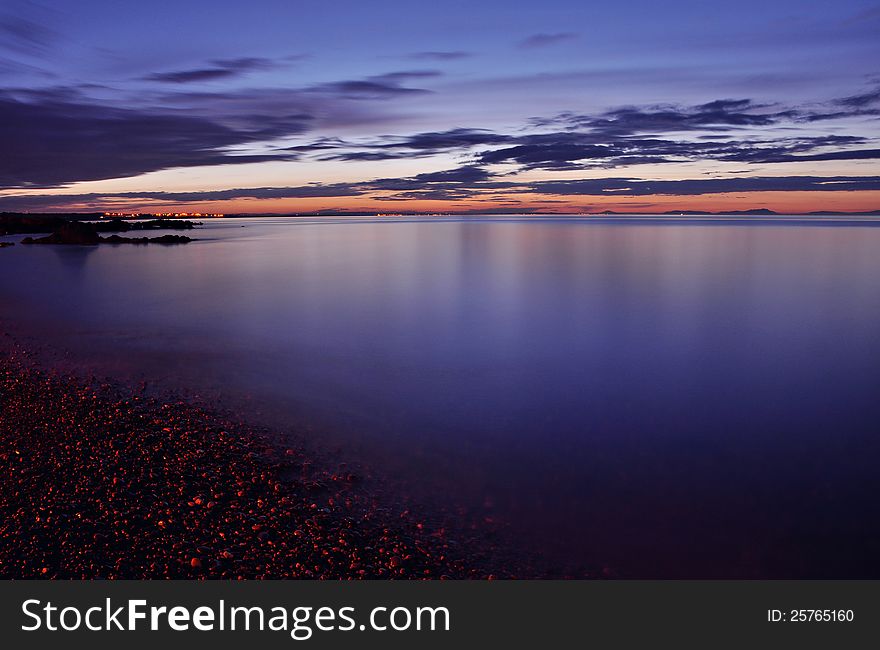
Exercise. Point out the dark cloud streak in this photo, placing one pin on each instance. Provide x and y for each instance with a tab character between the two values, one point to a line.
638	187
55	142
466	182
25	34
441	55
862	100
545	40
377	87
220	69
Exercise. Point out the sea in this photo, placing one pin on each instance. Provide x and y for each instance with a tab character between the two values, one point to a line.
645	397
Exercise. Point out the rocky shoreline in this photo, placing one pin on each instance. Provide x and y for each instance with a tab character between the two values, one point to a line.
101	480
69	231
78	233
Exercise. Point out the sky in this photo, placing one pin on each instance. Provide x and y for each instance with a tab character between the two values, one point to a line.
556	106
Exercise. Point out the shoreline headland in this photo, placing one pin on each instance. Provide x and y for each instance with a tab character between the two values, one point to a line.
77	231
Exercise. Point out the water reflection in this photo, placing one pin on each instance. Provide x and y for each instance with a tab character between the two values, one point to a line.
666	399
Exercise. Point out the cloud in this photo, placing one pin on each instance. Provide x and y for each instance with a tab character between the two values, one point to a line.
22	31
296	192
544	40
56	135
101	201
188	76
452	183
852	154
447	185
366	89
663	134
377	87
565	150
441	55
468	174
57	140
691	187
467	182
219	69
419	145
721	114
862	100
13	67
406	75
787	154
671	133
549	155
437	141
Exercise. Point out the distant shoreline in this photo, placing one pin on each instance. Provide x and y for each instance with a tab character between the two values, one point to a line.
757	212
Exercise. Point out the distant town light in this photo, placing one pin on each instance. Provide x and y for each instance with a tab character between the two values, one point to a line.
136	215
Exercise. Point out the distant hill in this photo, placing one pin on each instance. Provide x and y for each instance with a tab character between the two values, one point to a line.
753	211
756	211
830	213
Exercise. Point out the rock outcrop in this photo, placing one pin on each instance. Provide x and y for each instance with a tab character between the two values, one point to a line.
79	233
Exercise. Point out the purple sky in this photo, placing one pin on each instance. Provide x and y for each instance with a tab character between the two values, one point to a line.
272	106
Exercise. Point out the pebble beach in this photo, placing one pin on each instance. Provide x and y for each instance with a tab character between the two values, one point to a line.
102	481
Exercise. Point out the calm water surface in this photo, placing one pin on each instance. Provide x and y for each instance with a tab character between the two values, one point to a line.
686	399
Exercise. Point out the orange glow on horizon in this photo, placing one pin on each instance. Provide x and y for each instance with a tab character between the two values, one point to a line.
783	202
790	202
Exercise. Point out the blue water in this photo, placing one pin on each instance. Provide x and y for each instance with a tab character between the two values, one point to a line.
688	398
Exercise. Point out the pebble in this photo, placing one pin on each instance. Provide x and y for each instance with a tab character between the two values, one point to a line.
102	480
